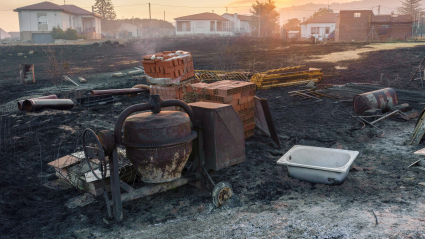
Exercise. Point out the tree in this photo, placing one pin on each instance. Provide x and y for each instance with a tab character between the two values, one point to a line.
410	7
105	9
293	25
321	12
266	14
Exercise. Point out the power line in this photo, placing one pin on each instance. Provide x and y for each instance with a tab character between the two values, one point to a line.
163	5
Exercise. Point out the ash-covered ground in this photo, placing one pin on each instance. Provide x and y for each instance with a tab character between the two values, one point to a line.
267	202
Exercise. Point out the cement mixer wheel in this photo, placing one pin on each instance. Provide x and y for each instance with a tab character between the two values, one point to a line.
221	193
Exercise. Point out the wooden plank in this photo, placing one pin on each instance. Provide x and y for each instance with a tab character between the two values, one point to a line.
420	152
65	162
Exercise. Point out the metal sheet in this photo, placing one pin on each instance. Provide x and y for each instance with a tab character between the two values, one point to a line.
42	38
223	134
264	121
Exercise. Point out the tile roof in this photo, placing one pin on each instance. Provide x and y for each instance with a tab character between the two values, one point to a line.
51	6
328	18
76	10
245	18
41	6
391	18
203	16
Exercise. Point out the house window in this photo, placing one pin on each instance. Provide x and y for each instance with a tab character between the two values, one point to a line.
383	29
357	14
199	25
219	26
315	30
327	30
183	26
42	22
42	18
212	26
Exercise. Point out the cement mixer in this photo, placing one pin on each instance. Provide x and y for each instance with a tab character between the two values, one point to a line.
169	149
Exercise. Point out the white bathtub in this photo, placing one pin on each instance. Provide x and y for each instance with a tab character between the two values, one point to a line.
318	165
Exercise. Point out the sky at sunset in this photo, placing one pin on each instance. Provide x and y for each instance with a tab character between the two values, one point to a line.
139	8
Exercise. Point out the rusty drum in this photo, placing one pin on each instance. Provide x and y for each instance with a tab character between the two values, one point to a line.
158	144
379	99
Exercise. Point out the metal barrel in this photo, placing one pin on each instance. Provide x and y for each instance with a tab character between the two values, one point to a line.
33	105
379	99
21	102
118	91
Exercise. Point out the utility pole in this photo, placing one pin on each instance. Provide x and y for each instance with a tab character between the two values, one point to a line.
150	19
164	15
379	10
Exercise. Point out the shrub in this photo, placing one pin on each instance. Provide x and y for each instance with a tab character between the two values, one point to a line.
57	33
69	34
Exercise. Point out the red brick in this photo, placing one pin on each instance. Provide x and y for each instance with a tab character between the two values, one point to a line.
249	127
243	100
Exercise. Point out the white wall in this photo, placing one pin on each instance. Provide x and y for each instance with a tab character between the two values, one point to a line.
205	29
238	25
28	20
306	29
246	27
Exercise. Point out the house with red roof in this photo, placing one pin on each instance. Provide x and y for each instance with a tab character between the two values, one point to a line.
239	24
319	27
37	21
206	23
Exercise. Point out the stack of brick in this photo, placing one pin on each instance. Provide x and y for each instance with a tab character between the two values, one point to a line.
239	94
171	92
169	64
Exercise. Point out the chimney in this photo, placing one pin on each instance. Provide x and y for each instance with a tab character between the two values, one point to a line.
213	11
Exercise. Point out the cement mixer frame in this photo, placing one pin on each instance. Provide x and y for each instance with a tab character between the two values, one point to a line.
105	151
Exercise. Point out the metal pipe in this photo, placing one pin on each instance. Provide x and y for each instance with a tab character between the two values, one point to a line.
148	106
160	187
33	105
118	91
21	102
386	116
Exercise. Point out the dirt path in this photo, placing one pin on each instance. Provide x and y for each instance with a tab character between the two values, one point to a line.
357	53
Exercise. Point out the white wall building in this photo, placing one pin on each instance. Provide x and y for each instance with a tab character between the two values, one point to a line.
239	24
203	23
130	29
319	27
4	34
36	21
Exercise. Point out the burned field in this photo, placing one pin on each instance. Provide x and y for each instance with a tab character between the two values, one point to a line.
381	196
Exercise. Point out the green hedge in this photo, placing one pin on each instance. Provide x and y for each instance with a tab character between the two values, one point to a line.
69	34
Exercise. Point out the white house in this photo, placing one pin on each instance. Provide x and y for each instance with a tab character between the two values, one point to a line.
130	30
203	23
319	27
239	24
36	21
4	34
